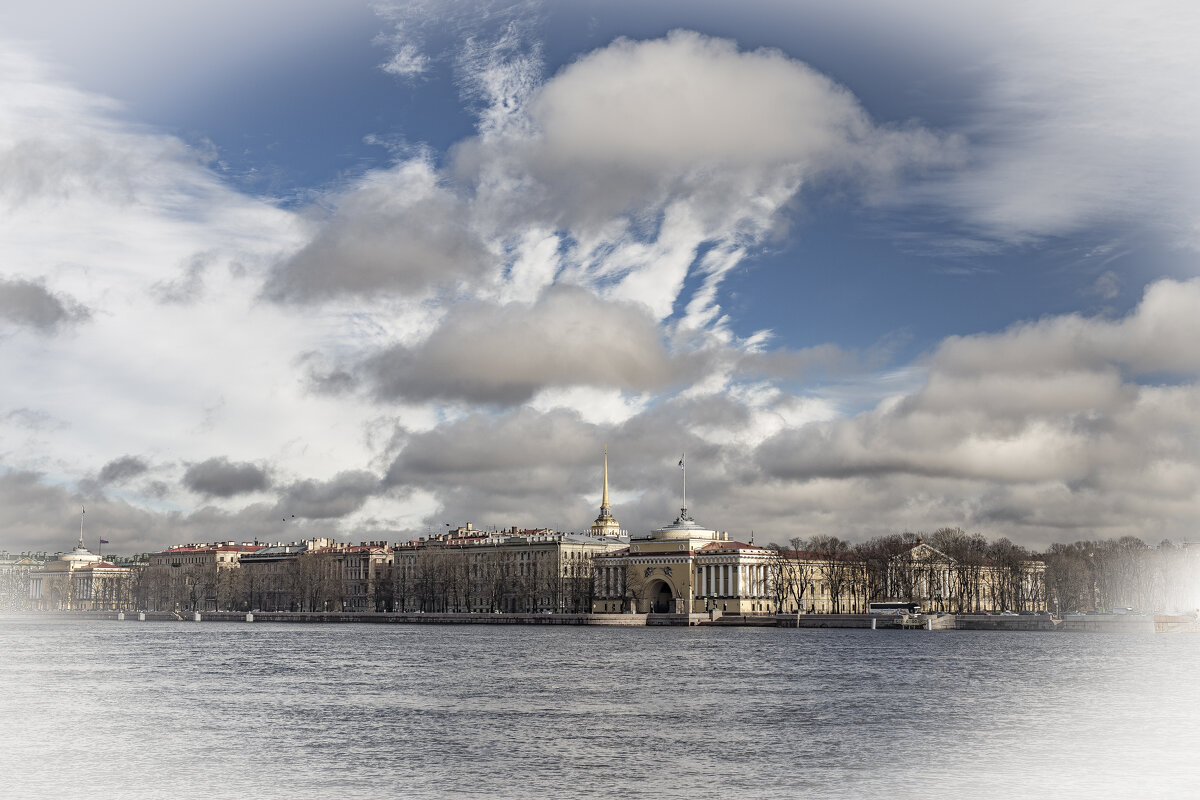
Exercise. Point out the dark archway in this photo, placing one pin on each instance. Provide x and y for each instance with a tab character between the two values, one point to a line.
660	597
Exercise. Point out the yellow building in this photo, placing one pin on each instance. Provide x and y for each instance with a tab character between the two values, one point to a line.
684	567
513	570
606	525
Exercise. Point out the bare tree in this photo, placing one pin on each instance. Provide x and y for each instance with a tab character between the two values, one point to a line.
790	572
834	567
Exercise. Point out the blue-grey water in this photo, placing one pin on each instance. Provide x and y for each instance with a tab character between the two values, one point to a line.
92	709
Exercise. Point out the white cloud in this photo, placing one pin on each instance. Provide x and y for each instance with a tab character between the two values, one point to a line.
117	218
1086	117
1028	429
407	61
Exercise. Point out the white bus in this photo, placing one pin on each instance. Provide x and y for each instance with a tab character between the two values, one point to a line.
894	607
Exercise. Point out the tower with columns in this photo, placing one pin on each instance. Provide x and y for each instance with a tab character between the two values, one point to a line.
606	525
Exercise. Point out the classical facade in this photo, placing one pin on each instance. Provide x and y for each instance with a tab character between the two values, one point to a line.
273	578
684	567
364	572
194	577
536	570
514	570
80	581
218	555
14	579
938	582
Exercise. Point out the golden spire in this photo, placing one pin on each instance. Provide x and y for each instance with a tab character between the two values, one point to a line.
605	524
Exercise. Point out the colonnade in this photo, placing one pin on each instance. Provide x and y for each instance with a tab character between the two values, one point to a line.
731	579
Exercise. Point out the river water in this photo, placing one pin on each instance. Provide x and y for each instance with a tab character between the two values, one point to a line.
92	709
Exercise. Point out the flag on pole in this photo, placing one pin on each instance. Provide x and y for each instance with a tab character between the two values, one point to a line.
681	461
104	541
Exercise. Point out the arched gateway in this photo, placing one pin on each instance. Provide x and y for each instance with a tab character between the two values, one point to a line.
683	567
661	597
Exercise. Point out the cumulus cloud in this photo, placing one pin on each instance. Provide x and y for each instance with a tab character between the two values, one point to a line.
611	174
28	303
219	477
529	467
616	129
122	469
397	230
1034	426
642	152
505	354
1157	337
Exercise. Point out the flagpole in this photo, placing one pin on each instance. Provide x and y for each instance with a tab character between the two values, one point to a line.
683	469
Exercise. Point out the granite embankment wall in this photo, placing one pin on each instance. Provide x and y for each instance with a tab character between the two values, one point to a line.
333	617
1091	623
817	620
984	622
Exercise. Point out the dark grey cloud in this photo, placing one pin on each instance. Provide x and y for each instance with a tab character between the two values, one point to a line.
40	515
343	494
122	469
505	354
37	514
31	304
396	231
219	477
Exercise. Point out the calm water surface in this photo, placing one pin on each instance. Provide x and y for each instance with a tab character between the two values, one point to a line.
222	710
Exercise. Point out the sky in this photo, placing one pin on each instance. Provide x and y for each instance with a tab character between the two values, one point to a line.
280	270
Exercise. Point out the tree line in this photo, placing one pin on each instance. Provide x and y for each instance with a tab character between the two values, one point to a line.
1084	576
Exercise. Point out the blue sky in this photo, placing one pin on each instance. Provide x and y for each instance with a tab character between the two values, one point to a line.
383	265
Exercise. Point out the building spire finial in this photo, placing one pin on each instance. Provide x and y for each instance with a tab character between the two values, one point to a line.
605	525
604	496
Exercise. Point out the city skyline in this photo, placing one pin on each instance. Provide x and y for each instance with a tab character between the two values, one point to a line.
354	271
